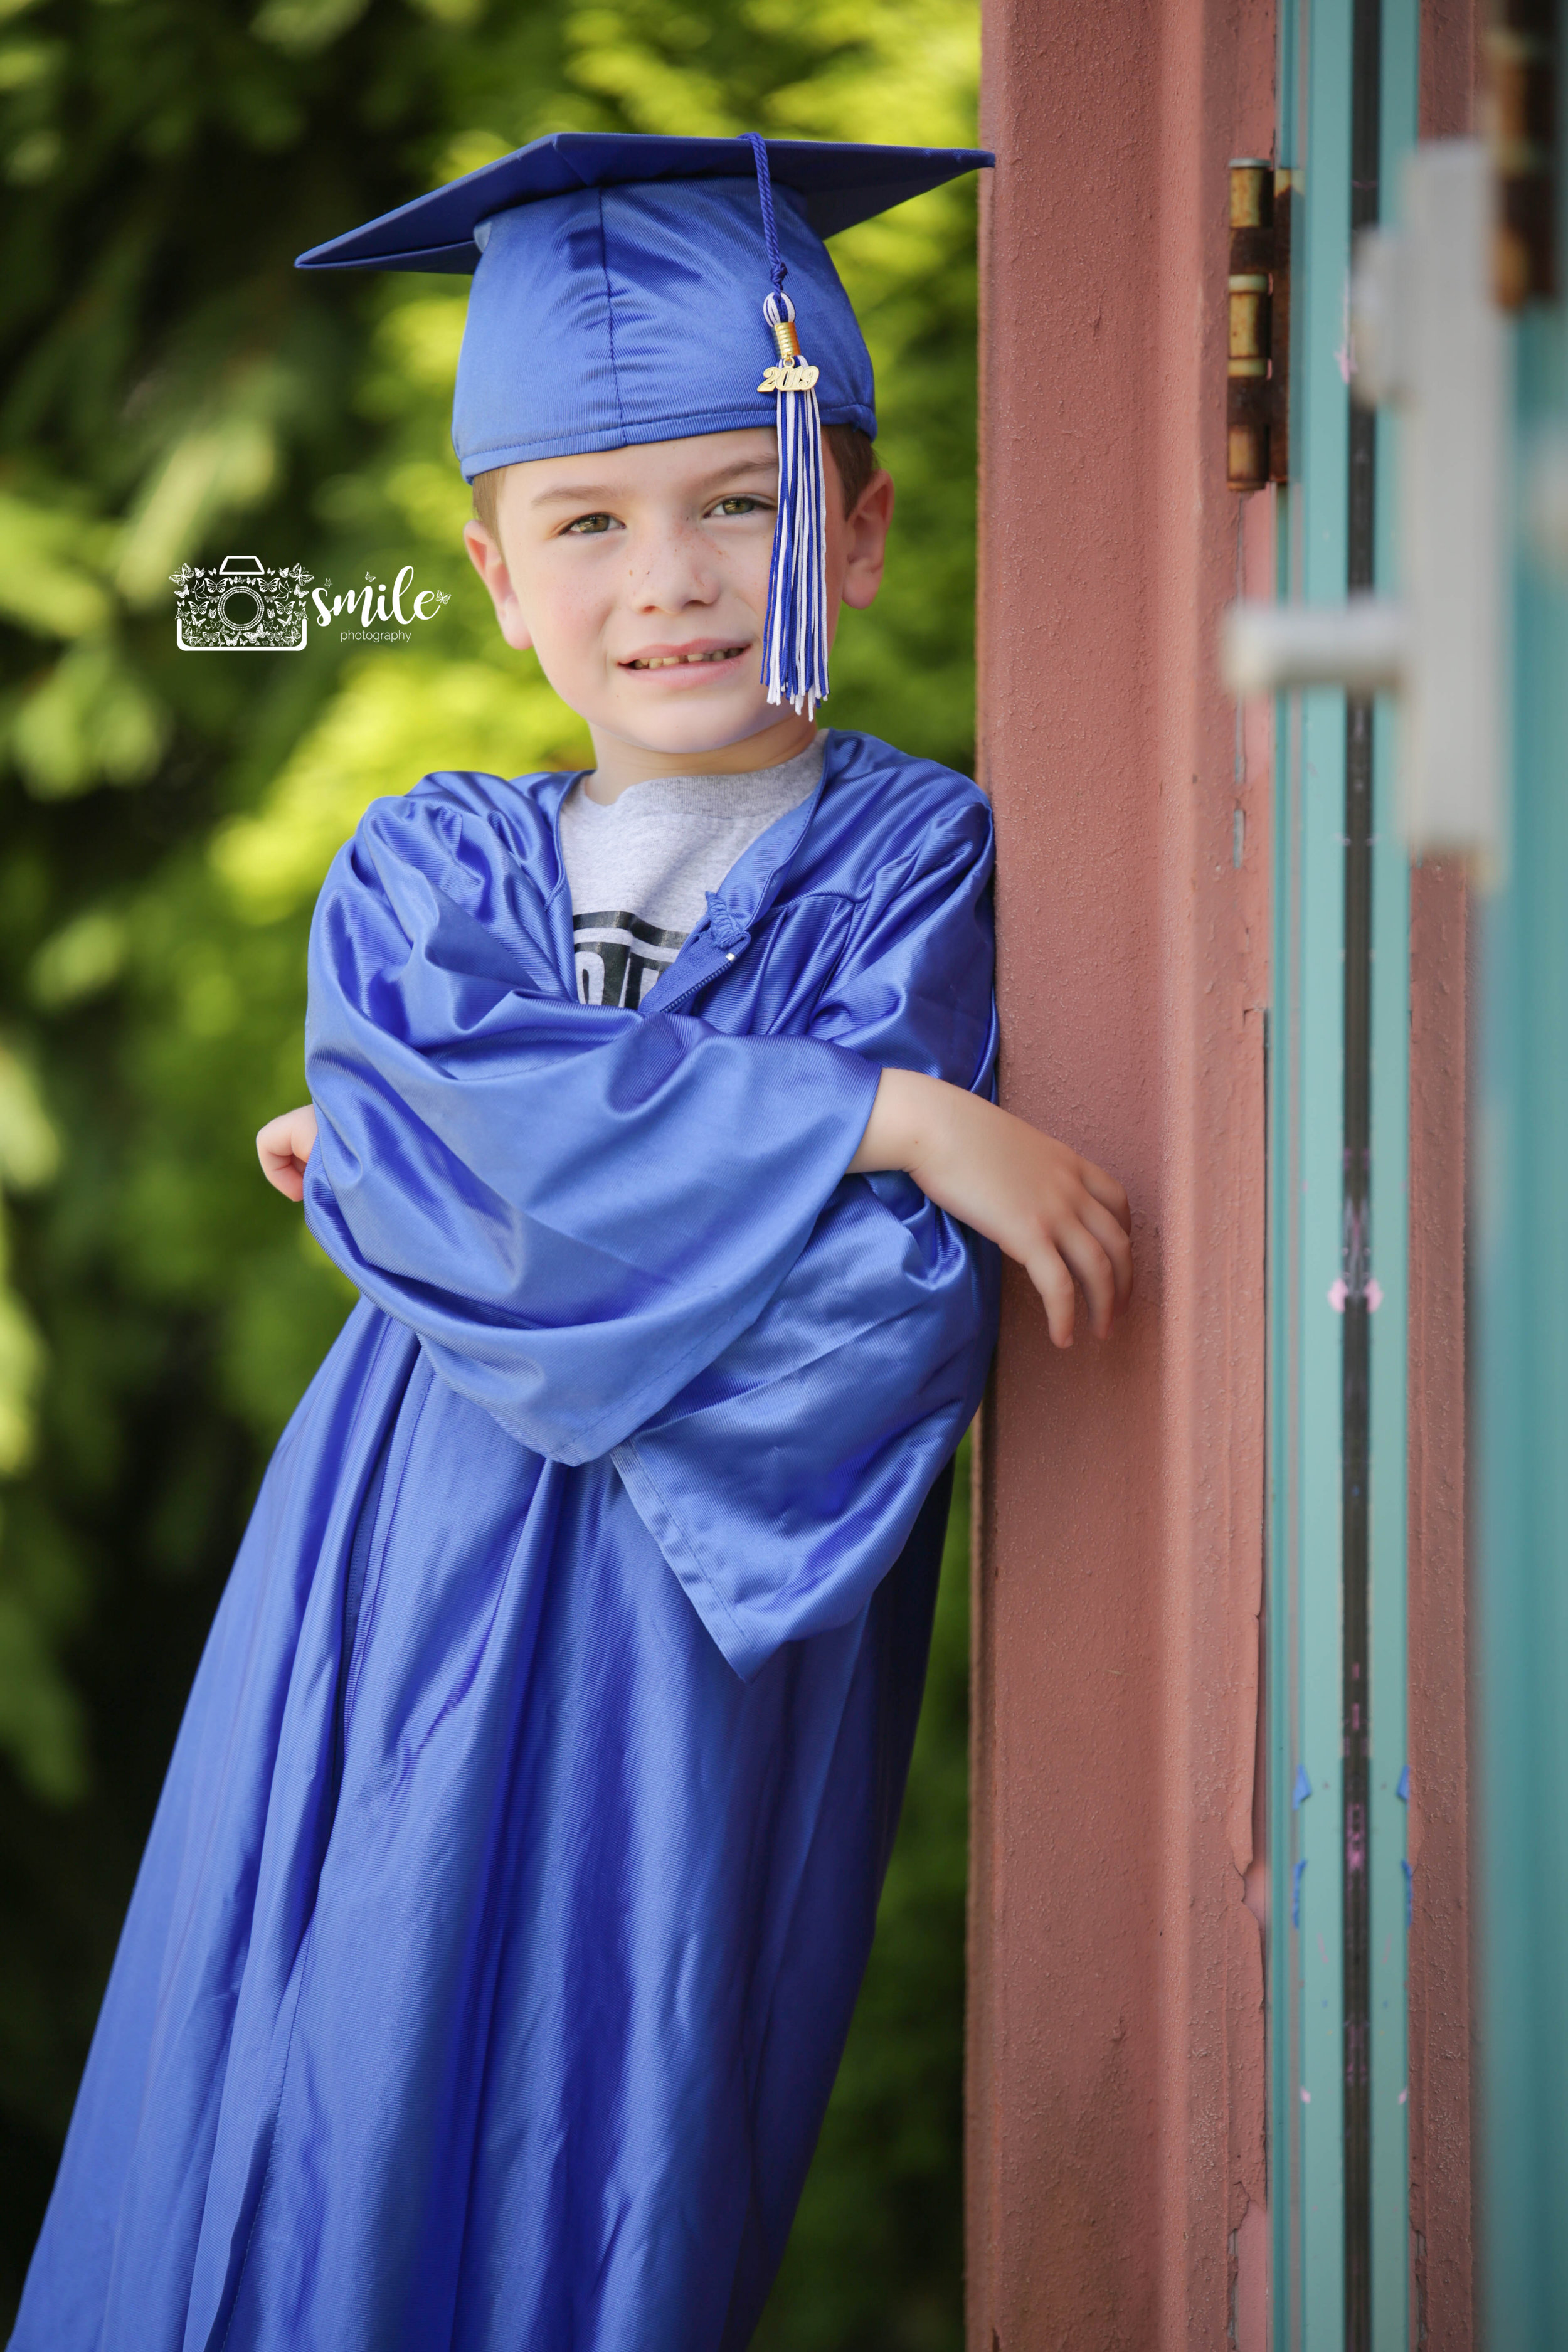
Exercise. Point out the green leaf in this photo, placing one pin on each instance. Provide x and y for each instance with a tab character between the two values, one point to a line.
92	720
302	27
50	576
29	1146
80	960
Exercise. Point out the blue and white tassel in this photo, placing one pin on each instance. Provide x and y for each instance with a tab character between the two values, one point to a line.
794	637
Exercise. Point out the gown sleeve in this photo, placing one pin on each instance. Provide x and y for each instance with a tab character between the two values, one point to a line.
783	1481
575	1208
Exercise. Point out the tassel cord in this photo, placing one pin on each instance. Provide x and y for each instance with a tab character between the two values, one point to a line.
794	637
759	147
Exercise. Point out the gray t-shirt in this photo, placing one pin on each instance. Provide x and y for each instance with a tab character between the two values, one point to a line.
640	867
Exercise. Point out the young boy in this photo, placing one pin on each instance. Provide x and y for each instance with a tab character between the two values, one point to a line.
500	1926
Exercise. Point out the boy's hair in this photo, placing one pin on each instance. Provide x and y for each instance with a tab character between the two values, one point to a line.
854	457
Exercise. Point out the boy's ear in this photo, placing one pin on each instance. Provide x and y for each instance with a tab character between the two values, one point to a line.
866	529
485	555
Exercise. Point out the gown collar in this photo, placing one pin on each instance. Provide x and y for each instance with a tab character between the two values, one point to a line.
734	909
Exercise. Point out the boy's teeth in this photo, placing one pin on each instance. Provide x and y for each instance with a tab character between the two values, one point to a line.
675	661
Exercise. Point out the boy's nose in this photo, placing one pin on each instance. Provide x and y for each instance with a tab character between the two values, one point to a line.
671	572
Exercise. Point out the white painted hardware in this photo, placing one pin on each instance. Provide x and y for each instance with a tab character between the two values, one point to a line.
1363	646
1429	341
1545	517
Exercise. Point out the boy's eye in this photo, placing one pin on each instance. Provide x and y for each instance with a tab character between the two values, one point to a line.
738	506
590	526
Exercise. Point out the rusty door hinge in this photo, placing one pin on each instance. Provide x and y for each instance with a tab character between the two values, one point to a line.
1522	104
1257	401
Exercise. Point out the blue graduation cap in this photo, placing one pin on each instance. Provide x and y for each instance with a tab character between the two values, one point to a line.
631	288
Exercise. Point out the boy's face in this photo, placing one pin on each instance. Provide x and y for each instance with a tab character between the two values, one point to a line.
640	578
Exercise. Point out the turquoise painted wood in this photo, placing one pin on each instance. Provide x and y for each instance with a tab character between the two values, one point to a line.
1391	1230
1389	1814
1307	2048
1521	1575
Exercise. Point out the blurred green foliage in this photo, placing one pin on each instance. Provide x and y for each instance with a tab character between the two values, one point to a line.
174	392
875	2259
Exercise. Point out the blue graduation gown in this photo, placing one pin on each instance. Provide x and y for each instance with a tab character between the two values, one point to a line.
499	1928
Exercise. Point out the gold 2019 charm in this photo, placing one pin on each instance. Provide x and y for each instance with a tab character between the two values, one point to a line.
789	375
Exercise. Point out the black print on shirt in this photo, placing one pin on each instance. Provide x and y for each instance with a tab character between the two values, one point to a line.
619	957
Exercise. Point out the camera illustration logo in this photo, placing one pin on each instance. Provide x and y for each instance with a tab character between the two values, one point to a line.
239	607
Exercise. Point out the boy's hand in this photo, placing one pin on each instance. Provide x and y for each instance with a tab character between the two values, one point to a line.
283	1147
1059	1215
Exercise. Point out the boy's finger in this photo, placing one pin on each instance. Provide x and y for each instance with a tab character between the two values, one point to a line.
1093	1268
280	1164
1050	1277
1109	1194
285	1175
1113	1241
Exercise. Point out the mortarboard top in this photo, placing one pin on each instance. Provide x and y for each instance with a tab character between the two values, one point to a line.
837	183
628	289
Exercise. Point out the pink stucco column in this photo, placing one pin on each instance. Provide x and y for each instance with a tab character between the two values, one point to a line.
1443	2269
1116	2168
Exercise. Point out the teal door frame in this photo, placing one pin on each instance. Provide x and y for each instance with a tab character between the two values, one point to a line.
1521	1419
1338	2110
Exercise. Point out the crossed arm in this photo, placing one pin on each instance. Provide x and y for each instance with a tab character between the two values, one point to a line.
1062	1218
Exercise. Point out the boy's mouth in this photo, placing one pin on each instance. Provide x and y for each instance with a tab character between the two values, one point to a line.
685	657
